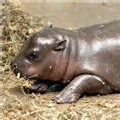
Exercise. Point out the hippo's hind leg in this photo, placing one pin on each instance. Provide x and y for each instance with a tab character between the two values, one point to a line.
89	84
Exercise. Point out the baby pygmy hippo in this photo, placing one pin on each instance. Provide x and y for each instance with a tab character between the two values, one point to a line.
85	60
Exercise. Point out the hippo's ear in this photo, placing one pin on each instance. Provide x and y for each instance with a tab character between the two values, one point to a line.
50	25
59	44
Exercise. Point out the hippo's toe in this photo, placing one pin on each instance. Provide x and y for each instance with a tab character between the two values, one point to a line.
66	97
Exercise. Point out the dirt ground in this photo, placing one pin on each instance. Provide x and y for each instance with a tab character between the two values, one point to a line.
20	106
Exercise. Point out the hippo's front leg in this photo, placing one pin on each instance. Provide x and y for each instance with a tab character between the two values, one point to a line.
86	83
36	87
43	87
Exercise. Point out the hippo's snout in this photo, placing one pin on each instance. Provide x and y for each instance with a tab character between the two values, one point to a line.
20	66
14	67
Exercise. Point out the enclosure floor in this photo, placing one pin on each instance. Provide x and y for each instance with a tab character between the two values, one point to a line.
20	106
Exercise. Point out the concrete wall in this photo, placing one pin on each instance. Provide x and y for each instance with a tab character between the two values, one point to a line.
73	13
58	1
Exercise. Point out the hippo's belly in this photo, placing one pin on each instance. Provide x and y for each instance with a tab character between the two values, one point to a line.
103	59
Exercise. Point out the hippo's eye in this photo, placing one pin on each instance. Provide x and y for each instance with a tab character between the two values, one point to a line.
32	56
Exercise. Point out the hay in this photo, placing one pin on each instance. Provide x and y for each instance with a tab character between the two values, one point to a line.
17	27
20	106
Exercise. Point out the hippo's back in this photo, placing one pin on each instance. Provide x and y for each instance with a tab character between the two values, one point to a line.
100	52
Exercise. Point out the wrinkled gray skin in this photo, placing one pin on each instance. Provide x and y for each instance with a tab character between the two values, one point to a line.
86	60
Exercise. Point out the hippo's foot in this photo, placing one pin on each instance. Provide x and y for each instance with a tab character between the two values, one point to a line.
66	97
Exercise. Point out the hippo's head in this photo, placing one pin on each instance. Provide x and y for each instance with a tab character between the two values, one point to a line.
42	56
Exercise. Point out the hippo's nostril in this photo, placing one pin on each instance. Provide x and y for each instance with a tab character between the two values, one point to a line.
15	65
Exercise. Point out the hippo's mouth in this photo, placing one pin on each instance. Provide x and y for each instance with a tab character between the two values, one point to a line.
32	76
